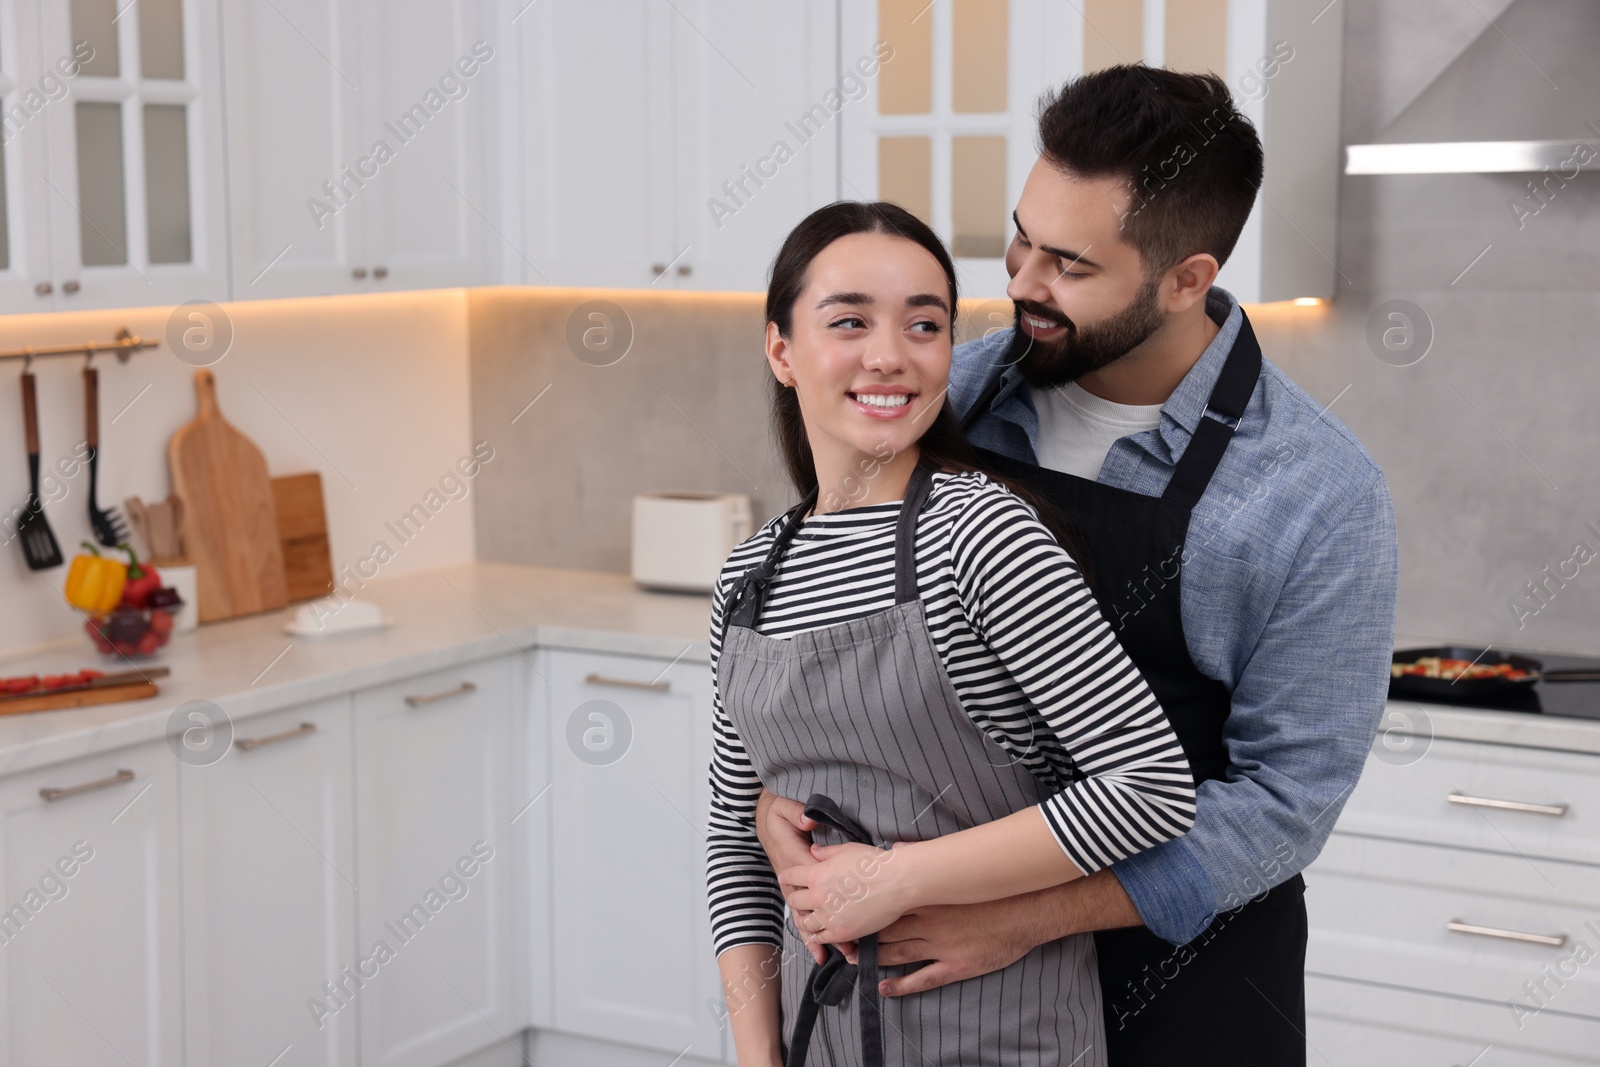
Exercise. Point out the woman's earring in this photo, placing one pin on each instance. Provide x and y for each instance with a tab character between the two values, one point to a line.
788	383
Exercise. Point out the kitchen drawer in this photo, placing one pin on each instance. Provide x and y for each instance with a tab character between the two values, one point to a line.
1352	1044
1411	802
1358	1024
1380	911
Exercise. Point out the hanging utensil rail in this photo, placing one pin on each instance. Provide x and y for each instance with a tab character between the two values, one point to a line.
125	345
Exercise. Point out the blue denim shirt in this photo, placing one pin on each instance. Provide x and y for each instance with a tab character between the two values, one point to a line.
1287	598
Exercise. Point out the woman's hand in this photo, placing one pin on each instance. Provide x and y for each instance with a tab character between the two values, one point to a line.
852	890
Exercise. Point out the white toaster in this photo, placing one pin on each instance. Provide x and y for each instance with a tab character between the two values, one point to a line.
680	540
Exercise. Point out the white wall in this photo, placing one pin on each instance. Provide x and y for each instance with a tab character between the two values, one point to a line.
372	391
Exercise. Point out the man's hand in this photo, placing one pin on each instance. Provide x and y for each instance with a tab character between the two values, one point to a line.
962	940
968	940
785	833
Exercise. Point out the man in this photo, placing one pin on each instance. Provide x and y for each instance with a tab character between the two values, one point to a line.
1243	547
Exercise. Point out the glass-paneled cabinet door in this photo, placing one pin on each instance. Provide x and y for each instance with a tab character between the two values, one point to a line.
946	128
28	89
135	171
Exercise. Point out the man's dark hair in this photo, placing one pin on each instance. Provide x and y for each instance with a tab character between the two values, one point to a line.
1192	161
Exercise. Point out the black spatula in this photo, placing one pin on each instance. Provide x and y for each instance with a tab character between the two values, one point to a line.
109	529
38	542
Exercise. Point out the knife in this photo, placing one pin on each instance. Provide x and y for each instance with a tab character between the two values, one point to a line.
102	682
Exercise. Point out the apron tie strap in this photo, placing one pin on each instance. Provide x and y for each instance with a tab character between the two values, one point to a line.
832	979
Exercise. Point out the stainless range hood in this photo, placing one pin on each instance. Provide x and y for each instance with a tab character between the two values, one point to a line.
1525	95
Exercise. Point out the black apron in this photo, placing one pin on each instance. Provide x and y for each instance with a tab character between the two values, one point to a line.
1235	995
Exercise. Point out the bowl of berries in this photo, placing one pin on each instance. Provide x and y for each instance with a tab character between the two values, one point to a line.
128	612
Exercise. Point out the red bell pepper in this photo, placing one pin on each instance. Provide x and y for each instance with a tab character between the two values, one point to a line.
142	580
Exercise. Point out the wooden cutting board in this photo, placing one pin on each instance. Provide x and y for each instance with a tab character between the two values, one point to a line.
230	523
303	533
111	694
107	689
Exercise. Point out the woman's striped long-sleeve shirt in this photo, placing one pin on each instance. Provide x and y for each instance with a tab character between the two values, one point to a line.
1024	644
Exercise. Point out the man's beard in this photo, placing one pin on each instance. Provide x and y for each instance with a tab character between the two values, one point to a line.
1047	364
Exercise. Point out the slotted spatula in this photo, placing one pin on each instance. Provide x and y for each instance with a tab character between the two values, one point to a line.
109	529
39	546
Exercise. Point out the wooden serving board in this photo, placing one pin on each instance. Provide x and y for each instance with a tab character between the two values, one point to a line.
78	698
303	533
230	522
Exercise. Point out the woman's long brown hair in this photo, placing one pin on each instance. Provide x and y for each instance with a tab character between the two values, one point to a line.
943	444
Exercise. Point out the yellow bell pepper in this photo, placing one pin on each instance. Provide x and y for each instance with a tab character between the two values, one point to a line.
94	582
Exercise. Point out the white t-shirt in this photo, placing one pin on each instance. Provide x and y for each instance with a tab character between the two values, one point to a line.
1077	428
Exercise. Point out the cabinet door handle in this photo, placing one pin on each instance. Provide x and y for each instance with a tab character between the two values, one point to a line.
1456	926
247	743
380	272
627	683
70	286
52	794
464	687
44	288
358	273
1507	805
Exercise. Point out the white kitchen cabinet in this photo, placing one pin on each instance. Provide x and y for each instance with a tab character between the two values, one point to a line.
27	83
597	148
650	139
90	962
1440	928
430	213
753	158
597	155
1455	922
358	144
294	119
114	142
1495	798
270	894
948	126
532	820
435	865
1355	1024
630	744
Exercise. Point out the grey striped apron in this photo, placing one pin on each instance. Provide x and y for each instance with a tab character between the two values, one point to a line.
861	721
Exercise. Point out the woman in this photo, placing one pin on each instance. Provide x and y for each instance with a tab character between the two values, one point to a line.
913	653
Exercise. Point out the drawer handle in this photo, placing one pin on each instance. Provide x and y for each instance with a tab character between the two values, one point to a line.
464	687
1507	805
1456	926
627	683
53	794
247	743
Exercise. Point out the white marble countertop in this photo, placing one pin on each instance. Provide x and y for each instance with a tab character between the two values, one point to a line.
442	617
473	611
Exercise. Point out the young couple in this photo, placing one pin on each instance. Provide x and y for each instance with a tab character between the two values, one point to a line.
1034	707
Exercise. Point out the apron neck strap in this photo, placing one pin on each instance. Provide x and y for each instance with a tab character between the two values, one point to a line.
750	591
905	536
1225	408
